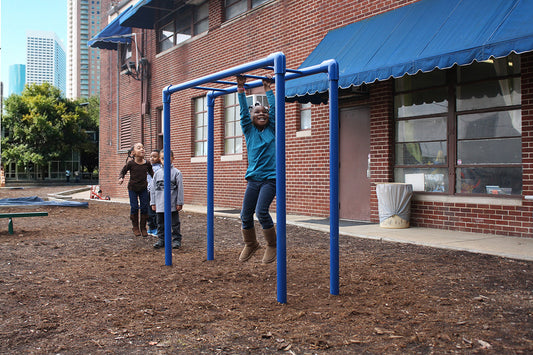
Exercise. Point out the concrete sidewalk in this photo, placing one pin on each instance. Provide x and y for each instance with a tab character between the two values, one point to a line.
509	247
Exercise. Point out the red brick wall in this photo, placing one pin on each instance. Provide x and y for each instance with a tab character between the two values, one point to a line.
289	27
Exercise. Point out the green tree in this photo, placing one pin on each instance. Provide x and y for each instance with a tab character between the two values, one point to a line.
41	126
90	117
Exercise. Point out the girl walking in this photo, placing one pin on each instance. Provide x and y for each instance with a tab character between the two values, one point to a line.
139	169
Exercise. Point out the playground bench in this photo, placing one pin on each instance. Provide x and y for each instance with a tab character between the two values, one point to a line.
12	215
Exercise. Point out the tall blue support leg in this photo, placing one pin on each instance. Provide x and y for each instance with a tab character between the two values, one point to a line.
210	176
333	74
166	170
281	250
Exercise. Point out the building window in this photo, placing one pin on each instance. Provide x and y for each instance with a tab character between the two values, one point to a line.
459	131
232	125
183	24
159	118
200	126
166	36
254	100
236	7
201	18
125	54
305	116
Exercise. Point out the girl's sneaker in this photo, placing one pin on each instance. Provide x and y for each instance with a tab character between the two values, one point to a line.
152	232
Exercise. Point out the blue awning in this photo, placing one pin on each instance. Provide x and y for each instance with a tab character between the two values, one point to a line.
143	14
112	35
422	36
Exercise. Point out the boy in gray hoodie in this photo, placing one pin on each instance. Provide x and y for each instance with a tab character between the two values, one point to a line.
157	202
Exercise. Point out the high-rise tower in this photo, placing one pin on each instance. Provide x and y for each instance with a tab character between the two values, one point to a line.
17	78
45	59
83	62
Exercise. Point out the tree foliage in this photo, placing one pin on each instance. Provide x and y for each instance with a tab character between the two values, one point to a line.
41	126
91	118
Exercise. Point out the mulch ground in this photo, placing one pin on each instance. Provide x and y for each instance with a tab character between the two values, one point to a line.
79	282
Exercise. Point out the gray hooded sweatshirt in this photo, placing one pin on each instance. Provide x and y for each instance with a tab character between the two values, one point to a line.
157	190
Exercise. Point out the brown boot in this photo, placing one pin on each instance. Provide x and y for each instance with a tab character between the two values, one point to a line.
144	219
135	224
250	244
270	252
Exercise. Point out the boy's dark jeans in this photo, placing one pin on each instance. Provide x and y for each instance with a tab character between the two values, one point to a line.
176	226
152	217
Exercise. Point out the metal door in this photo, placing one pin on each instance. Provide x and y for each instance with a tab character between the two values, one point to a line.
354	170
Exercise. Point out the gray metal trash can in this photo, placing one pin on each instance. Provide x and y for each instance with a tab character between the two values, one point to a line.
394	204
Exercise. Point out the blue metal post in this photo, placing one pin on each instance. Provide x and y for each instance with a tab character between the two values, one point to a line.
210	175
166	170
333	75
281	210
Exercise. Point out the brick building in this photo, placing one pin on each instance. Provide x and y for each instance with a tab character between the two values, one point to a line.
457	123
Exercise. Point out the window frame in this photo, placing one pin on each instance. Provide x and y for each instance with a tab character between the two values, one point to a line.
235	121
126	53
307	107
173	18
196	139
250	5
453	165
159	127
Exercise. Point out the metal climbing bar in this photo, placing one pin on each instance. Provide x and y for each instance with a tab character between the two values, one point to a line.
254	76
277	63
225	82
207	88
287	69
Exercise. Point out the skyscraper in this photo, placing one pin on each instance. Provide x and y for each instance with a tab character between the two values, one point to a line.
45	59
83	62
17	78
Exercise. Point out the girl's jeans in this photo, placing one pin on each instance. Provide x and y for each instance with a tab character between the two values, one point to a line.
139	198
258	196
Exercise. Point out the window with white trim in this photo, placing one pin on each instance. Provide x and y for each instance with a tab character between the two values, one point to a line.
305	116
232	125
200	126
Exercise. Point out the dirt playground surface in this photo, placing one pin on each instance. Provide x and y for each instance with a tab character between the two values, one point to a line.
79	282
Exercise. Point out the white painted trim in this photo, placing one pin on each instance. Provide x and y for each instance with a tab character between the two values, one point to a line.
199	159
231	157
481	200
304	133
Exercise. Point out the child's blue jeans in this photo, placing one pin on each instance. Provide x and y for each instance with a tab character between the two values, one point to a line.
258	197
139	200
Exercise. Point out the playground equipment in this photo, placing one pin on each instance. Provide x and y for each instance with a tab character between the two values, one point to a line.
97	194
277	63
